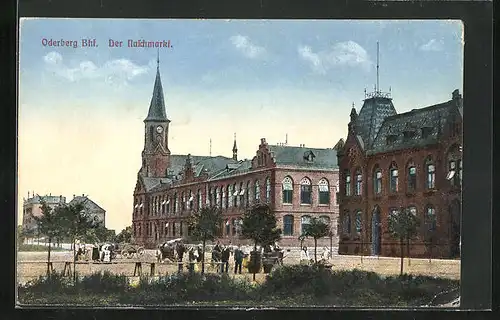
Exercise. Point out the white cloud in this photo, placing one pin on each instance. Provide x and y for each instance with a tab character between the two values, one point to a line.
347	53
117	72
433	45
246	47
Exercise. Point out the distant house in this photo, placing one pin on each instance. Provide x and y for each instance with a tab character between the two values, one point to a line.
97	213
32	207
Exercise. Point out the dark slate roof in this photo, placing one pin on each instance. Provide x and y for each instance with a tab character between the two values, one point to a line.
295	156
433	117
232	169
86	201
157	106
375	109
48	199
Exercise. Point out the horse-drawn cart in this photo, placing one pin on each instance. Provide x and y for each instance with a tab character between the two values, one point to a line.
130	250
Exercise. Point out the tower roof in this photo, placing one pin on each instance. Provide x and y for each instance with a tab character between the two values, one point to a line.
371	116
235	148
157	106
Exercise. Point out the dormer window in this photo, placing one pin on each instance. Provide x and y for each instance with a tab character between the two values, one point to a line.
392	138
309	156
426	132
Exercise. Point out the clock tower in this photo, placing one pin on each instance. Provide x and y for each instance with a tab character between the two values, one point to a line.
156	155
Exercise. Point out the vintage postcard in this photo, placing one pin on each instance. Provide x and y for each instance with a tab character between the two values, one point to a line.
252	163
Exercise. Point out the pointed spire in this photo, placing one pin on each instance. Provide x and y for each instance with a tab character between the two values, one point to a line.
157	106
235	149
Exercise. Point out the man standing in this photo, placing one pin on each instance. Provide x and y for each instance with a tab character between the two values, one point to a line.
225	260
238	259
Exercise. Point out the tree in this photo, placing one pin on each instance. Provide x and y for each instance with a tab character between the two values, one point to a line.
50	224
78	224
316	229
259	225
205	225
20	235
125	236
403	225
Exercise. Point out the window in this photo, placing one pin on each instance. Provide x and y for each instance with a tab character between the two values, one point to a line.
287	185
459	171
455	172
242	195
234	193
359	182
393	179
413	210
198	199
183	202
218	196
233	224
257	190
180	229
190	200
324	191
377	181
167	205
173	229
430	218
176	203
305	191
229	196
412	178
431	174
305	220
288	225
224	201
347	183
346	223
358	222
247	190
268	190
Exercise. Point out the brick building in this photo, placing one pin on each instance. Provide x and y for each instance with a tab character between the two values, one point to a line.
97	214
297	182
32	207
410	160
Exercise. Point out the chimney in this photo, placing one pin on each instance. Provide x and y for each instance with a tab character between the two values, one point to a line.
74	196
263	141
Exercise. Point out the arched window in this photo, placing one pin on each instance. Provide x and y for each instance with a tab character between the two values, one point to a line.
324	191
228	227
346	223
167	205
359	182
229	196
412	178
224	202
430	218
234	193
268	190
176	203
377	180
181	231
430	169
257	190
190	200
198	199
173	229
304	221
242	195
287	185
393	178
248	191
183	201
217	196
347	181
305	191
455	166
358	224
288	225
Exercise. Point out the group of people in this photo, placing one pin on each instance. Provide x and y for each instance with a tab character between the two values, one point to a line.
103	253
221	255
305	258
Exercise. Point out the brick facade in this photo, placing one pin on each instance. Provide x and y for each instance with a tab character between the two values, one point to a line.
443	196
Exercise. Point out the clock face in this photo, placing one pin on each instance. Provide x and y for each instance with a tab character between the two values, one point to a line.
159	129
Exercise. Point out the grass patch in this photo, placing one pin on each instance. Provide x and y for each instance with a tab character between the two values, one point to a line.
295	285
37	248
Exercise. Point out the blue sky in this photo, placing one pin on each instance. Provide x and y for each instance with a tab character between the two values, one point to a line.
220	77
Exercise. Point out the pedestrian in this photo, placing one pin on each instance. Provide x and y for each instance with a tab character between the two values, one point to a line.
304	256
238	259
226	252
192	260
180	249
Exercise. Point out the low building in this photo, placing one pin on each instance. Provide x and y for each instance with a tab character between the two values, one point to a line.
97	214
411	160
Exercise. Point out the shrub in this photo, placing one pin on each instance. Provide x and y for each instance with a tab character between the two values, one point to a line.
103	282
